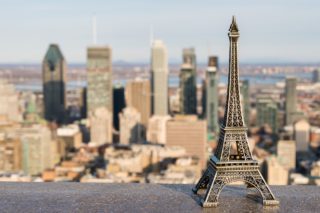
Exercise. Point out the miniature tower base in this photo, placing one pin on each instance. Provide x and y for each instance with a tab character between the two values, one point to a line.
219	174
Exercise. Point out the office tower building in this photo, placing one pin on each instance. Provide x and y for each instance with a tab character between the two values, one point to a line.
119	104
100	93
156	132
83	102
302	135
291	100
76	104
174	100
276	173
99	77
138	96
39	151
54	84
286	153
9	108
189	57
245	95
101	126
159	78
70	136
315	136
188	83
189	133
131	130
211	96
267	113
10	153
316	76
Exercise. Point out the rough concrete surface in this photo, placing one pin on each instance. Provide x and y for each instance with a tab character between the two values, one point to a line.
91	197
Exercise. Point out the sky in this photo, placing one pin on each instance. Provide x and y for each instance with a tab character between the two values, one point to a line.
272	31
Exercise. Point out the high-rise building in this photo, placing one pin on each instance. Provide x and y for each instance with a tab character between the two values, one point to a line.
159	78
156	132
189	57
138	95
101	126
9	99
119	104
100	91
10	153
54	84
131	130
39	151
189	133
99	77
291	99
188	83
316	76
245	95
267	113
286	153
211	96
302	135
70	136
276	173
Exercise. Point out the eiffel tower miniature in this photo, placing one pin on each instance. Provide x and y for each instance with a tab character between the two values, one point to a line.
232	160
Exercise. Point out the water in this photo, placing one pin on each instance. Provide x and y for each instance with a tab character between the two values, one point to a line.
174	81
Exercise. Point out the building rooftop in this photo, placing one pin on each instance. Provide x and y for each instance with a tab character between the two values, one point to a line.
94	197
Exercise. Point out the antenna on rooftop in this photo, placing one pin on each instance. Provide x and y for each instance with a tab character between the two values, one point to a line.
151	35
94	29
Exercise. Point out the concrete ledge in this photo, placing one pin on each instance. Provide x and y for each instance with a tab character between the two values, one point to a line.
91	197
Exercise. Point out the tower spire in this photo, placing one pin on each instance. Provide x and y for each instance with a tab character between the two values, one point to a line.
233	26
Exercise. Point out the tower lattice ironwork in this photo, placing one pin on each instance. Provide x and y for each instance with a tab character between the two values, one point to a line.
232	160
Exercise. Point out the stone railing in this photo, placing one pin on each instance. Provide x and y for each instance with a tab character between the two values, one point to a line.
92	197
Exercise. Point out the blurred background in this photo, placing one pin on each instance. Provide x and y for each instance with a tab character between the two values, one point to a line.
135	91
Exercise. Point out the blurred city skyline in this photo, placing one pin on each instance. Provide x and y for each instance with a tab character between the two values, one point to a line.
272	32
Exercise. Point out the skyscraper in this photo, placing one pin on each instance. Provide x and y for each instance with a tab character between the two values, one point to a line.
188	83
286	152
159	78
157	127
138	93
99	89
276	173
189	133
316	76
189	57
302	135
267	113
54	83
245	94
101	126
291	99
119	104
99	77
210	96
131	130
39	151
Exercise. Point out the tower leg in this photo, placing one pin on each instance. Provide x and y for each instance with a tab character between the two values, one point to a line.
260	184
203	182
215	186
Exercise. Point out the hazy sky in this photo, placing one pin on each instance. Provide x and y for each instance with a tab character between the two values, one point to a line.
270	31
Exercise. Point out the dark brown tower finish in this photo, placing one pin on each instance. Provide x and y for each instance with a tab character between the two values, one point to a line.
233	160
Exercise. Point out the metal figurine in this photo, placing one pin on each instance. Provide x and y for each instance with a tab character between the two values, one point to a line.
232	160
